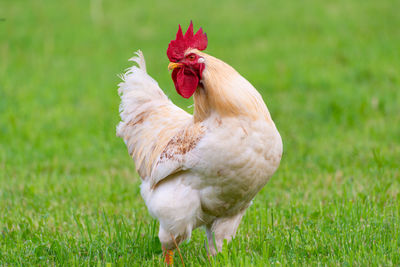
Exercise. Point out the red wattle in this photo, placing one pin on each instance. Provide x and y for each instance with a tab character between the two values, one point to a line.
186	81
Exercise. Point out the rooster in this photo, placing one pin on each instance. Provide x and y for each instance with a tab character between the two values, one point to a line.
202	169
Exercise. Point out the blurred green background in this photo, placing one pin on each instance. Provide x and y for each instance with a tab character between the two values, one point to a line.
328	71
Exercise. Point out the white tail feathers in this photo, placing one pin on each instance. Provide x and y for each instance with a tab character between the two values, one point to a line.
136	81
139	59
138	91
148	119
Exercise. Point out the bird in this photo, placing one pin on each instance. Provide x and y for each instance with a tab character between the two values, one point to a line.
201	169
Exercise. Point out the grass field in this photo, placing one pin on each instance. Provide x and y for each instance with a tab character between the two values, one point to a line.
329	73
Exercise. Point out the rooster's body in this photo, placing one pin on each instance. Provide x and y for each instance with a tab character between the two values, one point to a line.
202	169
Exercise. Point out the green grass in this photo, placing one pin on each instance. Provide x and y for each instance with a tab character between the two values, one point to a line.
329	72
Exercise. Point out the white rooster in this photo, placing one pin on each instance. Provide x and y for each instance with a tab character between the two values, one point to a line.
202	169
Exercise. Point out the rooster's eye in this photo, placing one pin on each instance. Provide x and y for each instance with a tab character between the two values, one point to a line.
191	57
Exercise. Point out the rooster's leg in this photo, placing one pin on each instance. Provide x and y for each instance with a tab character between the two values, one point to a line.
221	229
168	256
169	243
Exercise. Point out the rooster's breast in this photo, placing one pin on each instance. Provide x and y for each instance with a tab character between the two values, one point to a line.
237	158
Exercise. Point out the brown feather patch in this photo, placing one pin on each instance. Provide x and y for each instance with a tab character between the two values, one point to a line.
140	118
183	142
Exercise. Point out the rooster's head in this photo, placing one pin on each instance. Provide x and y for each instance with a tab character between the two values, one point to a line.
187	67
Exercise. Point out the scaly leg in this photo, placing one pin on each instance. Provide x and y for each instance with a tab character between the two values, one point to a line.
168	256
169	243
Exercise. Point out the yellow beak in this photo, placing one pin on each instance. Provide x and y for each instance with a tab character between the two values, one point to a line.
174	65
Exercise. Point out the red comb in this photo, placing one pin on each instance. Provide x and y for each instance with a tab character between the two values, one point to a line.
176	48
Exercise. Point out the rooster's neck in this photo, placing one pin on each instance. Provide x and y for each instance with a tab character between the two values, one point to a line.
225	92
